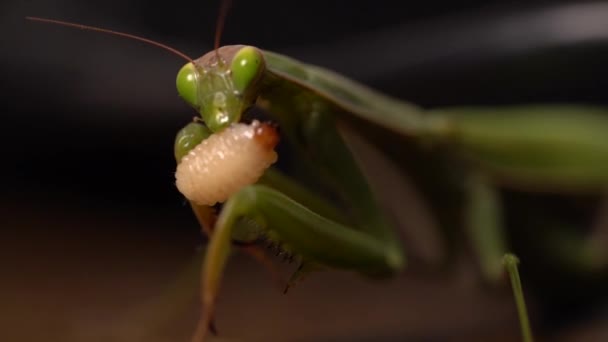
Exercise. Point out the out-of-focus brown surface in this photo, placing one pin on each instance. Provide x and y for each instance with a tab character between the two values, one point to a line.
82	276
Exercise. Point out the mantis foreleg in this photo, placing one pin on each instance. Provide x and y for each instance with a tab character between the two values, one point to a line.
298	230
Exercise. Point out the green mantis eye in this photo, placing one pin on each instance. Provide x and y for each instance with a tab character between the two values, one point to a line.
187	84
246	67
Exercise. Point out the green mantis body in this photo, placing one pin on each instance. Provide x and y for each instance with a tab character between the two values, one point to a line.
321	206
537	148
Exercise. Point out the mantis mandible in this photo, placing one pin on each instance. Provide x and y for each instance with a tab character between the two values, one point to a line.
333	218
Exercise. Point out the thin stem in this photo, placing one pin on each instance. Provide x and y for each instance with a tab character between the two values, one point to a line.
510	262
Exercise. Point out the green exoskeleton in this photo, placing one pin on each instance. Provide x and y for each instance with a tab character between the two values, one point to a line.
537	148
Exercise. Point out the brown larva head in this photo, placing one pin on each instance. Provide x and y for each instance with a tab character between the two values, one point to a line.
266	135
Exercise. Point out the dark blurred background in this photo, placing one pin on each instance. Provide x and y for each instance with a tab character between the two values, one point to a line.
91	221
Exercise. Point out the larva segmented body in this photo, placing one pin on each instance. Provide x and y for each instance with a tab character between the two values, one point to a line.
226	162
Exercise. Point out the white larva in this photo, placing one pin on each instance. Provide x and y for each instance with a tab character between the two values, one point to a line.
227	161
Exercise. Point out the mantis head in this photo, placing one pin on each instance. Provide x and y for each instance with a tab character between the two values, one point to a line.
222	84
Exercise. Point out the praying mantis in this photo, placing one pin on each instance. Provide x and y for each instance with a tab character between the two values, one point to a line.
324	211
538	148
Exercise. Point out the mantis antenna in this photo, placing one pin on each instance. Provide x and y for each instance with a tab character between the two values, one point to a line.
115	33
221	20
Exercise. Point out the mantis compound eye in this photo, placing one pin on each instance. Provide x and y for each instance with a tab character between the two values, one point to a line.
187	84
247	66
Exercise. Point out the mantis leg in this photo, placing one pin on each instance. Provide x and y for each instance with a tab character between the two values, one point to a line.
510	262
484	224
206	218
313	238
